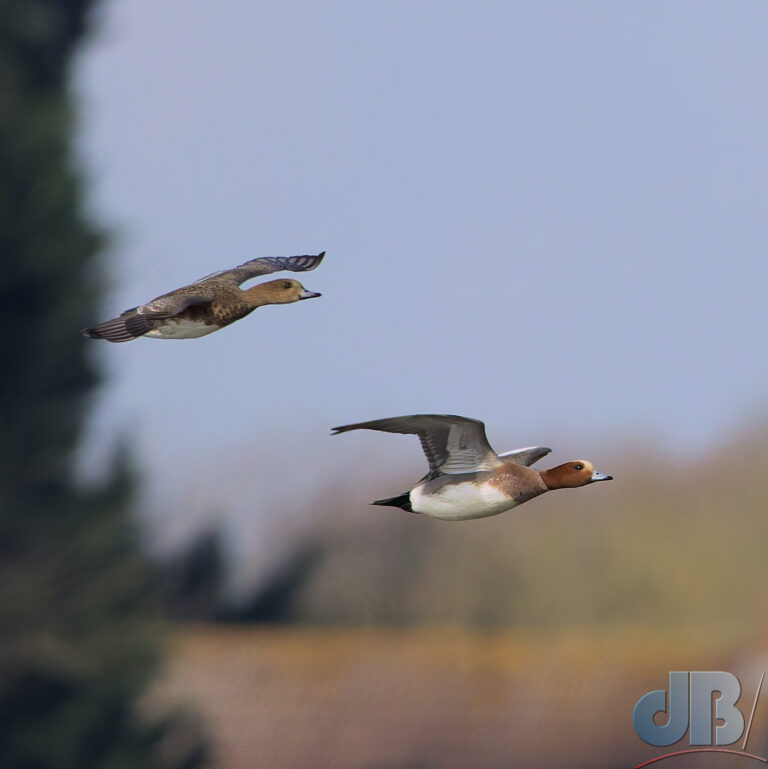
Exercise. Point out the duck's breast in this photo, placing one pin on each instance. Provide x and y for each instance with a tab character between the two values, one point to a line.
456	501
182	328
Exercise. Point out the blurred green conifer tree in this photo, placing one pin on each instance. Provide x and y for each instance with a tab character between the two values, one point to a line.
78	613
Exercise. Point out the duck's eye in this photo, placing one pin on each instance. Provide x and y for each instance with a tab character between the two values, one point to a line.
286	285
578	466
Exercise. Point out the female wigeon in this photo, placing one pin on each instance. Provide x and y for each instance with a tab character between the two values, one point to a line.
467	478
210	303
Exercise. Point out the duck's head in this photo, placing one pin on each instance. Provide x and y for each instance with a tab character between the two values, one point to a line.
282	291
571	475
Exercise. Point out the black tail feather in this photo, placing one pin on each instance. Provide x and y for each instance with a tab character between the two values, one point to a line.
402	501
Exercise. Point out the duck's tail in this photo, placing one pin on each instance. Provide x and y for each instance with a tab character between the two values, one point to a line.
403	501
124	328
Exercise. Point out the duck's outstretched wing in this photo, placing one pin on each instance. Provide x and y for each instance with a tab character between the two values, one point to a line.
526	456
135	322
264	266
452	444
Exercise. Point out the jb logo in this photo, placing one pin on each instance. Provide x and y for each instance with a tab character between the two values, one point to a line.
702	703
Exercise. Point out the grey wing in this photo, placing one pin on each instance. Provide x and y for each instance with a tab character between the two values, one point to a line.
527	456
264	266
137	321
168	305
452	444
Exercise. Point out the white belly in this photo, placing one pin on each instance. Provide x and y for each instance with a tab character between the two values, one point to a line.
181	328
461	501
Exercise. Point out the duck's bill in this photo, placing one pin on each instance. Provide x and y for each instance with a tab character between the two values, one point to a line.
308	294
600	477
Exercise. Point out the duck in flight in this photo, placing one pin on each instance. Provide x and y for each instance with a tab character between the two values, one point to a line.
467	478
210	303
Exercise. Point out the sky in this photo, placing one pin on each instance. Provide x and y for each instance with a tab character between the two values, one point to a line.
547	215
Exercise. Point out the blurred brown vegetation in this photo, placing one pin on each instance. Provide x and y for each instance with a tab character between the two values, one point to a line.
398	698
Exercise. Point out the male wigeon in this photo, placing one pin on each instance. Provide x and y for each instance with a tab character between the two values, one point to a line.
210	303
467	478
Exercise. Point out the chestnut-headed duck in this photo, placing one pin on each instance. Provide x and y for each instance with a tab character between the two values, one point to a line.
210	303
467	478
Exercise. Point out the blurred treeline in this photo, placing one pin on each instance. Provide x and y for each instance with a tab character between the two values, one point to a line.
670	542
79	617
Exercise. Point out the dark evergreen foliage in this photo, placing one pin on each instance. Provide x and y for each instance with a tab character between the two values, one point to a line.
78	615
194	579
274	601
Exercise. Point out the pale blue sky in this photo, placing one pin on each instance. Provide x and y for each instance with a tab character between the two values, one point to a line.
549	215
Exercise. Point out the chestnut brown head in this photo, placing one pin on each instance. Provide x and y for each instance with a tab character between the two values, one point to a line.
571	475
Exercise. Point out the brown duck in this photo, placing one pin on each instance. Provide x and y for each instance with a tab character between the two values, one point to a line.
211	303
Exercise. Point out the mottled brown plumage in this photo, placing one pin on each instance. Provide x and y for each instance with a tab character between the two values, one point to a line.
209	304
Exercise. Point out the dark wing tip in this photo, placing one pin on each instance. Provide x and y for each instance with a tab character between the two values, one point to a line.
305	263
407	423
374	424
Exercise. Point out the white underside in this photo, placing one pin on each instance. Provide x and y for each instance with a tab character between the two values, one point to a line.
181	328
460	501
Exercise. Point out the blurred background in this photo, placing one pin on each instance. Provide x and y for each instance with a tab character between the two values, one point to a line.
546	215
